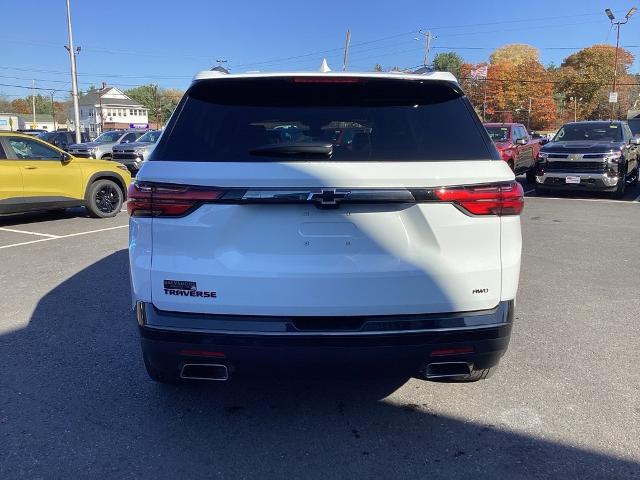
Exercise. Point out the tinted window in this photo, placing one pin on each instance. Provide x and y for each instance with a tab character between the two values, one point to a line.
107	137
3	156
47	136
592	131
634	125
129	137
151	136
368	119
25	149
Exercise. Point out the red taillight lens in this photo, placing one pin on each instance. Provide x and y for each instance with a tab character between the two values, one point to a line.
139	200
502	199
167	200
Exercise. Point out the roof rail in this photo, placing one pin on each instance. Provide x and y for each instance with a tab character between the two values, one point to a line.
220	69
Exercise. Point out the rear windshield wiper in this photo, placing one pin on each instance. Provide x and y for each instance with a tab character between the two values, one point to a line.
301	149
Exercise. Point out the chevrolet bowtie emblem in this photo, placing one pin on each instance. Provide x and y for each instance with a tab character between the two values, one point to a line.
328	197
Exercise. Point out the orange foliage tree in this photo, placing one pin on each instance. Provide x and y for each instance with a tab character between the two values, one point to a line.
588	74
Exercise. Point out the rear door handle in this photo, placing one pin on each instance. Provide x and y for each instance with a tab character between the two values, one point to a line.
30	167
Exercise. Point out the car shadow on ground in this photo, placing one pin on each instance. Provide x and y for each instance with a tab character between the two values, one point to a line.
42	216
76	402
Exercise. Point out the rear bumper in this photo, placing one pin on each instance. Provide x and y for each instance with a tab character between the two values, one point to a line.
396	345
588	181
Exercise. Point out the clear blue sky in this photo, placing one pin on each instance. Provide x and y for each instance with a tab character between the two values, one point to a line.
129	43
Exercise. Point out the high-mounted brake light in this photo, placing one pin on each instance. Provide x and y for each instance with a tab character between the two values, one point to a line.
321	79
167	200
499	199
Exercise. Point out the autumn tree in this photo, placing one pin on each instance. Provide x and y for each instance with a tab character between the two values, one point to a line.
20	105
520	88
515	53
588	74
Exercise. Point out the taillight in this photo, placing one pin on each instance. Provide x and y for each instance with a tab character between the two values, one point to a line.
501	199
145	200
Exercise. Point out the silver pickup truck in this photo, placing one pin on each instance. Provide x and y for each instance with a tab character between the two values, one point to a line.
133	154
101	146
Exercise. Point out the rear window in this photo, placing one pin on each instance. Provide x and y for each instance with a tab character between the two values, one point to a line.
634	125
257	120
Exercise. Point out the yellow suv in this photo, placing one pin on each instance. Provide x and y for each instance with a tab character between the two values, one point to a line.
35	175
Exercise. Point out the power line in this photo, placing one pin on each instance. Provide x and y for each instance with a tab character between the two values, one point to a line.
29	87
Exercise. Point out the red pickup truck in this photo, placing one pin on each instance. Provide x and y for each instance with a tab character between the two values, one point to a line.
516	147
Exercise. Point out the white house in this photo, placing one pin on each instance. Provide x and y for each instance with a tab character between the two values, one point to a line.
17	121
108	108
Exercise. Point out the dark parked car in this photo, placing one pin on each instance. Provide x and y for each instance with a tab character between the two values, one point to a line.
31	131
63	138
594	155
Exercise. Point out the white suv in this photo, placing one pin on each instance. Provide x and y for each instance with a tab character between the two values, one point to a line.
324	221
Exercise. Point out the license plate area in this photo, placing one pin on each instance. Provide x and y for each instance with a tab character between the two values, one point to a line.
572	180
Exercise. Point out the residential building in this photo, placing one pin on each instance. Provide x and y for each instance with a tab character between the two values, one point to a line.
18	121
108	108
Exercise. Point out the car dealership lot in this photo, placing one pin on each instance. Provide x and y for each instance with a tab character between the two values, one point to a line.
565	401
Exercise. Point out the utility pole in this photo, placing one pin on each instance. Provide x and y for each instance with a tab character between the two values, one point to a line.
157	107
33	104
529	116
427	46
74	76
101	112
346	50
53	111
615	64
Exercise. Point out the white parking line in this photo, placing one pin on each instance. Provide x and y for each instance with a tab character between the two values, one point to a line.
12	230
637	199
529	191
63	236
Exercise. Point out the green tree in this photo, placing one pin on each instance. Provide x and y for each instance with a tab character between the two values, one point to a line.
448	62
161	102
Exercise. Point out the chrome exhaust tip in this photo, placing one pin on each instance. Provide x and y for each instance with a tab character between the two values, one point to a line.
205	371
447	370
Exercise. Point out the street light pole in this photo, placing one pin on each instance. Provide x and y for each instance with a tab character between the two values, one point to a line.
575	107
74	77
615	63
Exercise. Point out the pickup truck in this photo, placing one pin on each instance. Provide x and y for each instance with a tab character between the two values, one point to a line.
590	156
516	147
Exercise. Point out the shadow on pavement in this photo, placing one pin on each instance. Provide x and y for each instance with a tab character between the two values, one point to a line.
42	216
76	402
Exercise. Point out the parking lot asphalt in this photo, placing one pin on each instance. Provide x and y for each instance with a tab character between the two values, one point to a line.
75	400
